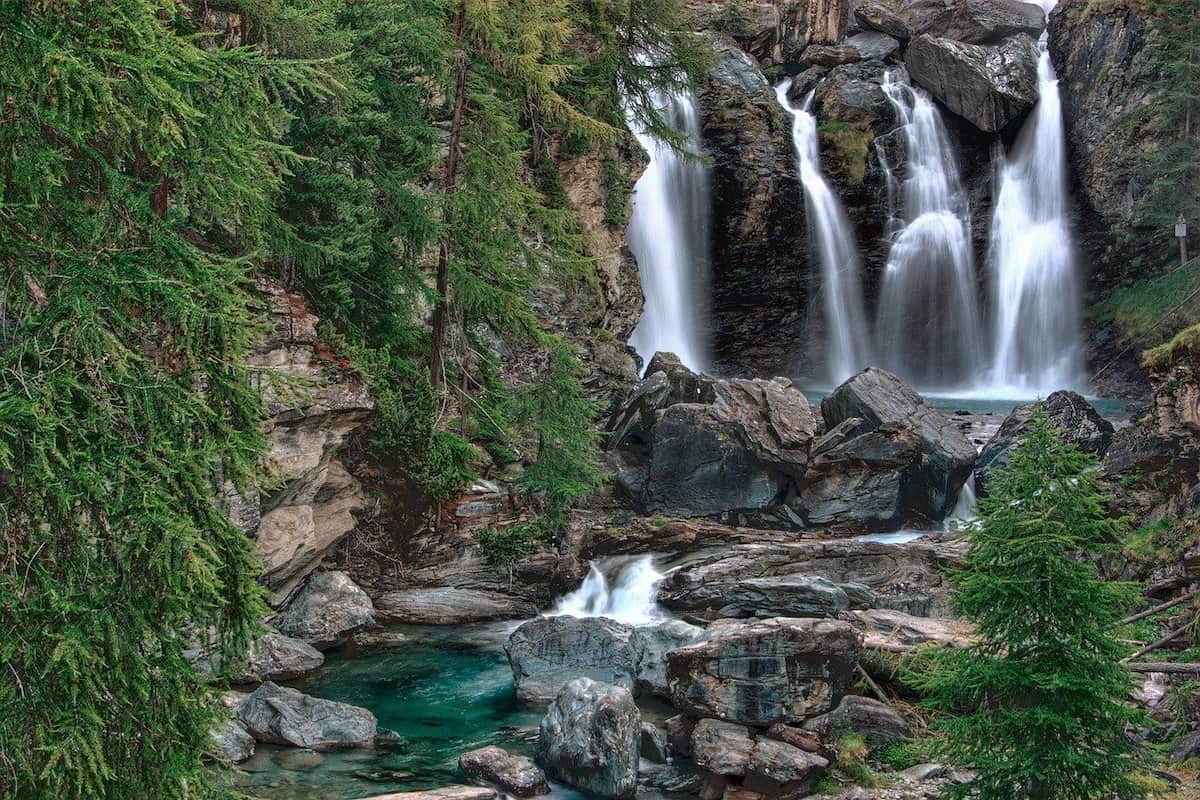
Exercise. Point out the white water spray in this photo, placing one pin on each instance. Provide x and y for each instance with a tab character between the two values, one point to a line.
621	589
928	324
1036	290
841	291
668	236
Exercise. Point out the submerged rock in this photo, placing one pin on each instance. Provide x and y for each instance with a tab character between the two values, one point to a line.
279	715
988	86
547	652
329	609
762	672
590	739
514	774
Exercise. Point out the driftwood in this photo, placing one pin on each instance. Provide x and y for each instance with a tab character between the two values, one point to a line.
1166	667
1162	607
1175	634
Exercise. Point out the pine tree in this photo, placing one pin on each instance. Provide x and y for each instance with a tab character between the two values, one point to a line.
137	176
1037	706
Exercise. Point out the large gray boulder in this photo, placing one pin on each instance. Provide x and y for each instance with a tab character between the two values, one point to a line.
1072	416
548	652
445	605
590	739
280	715
879	398
516	775
876	722
767	671
990	86
327	611
973	21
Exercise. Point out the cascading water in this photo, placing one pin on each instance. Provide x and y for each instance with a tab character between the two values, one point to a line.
668	236
841	292
1036	293
928	326
621	589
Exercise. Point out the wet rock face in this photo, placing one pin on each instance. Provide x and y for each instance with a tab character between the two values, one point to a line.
443	605
989	86
782	596
762	672
590	739
774	31
516	775
758	224
1074	418
280	715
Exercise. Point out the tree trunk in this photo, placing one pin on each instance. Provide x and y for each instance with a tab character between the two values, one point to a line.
437	366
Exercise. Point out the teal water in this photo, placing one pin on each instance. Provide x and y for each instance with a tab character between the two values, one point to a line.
444	691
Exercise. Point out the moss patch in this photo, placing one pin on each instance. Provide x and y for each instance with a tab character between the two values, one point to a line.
846	146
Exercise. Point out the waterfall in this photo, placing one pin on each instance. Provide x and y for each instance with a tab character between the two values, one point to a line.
668	237
928	325
841	290
622	589
1036	292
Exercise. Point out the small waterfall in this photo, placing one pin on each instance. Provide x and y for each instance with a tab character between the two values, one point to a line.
968	503
841	290
1036	290
621	589
928	325
668	236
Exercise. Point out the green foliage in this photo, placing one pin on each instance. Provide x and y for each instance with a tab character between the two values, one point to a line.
1150	310
901	755
1186	342
1037	706
137	174
503	547
848	146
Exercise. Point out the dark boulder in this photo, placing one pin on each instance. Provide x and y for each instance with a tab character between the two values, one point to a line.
737	445
830	55
1068	412
876	722
946	456
766	671
873	45
590	739
863	481
990	86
